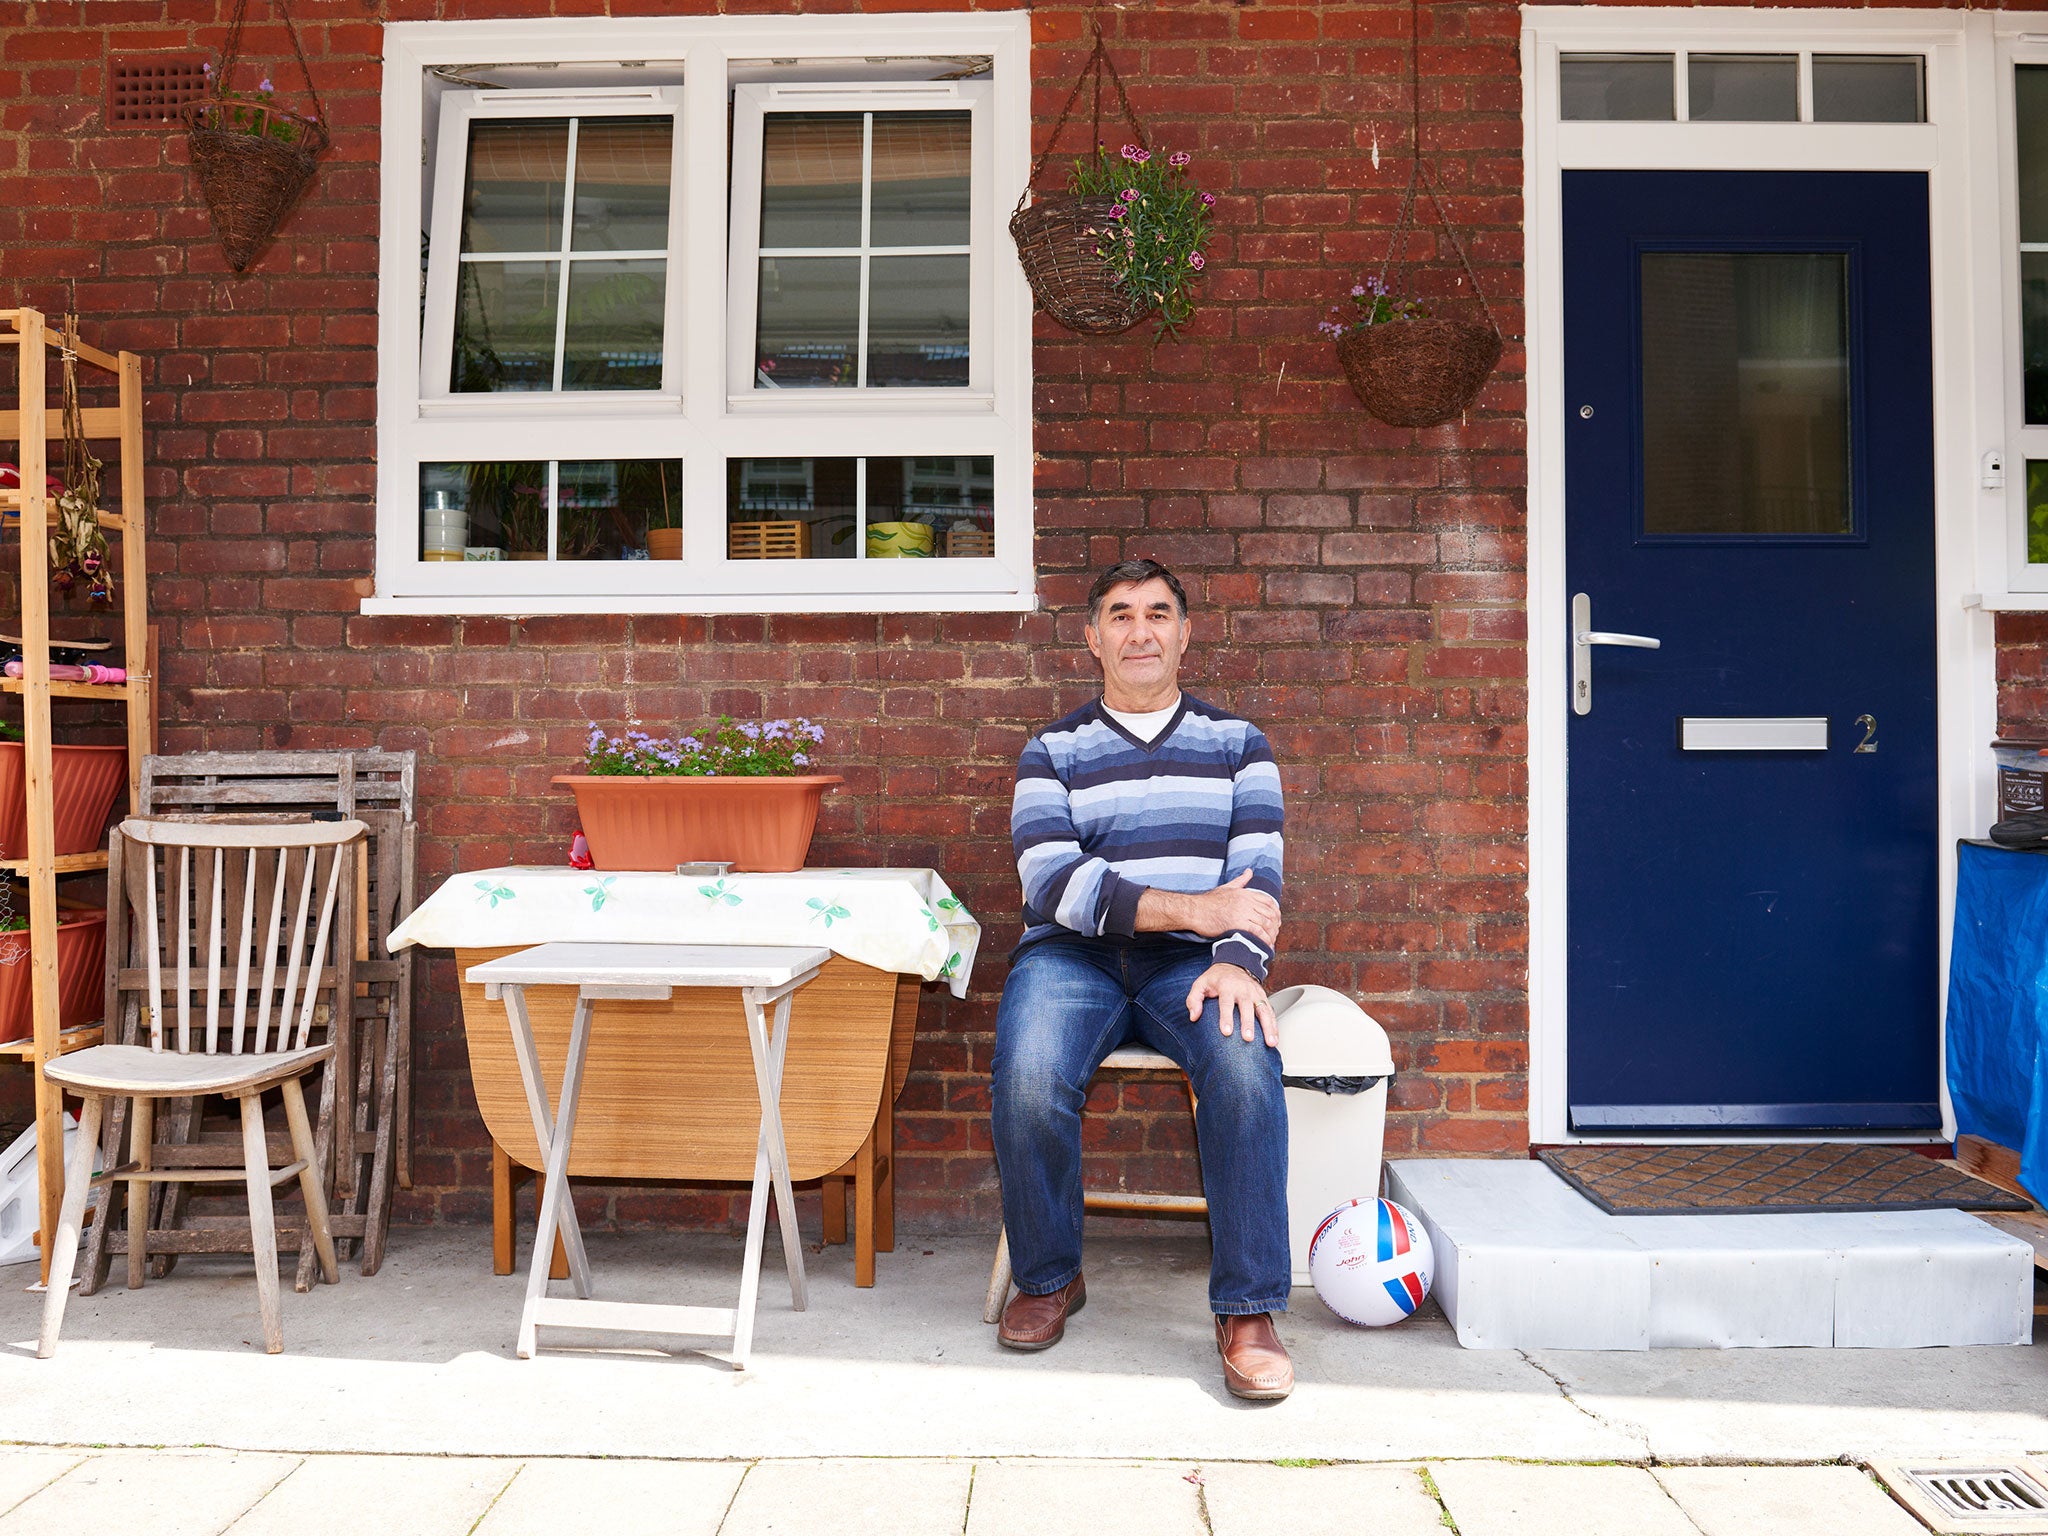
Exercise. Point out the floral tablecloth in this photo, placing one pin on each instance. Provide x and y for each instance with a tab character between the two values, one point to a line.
902	920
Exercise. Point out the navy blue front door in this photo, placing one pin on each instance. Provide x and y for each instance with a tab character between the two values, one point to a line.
1749	481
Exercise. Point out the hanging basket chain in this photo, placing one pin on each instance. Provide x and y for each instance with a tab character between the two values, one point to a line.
1098	64
231	51
1420	176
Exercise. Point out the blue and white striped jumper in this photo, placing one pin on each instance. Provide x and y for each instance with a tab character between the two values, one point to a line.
1100	817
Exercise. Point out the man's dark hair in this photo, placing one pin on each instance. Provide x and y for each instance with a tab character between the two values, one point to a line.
1130	573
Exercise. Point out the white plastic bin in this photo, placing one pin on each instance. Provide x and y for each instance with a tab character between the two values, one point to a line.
1336	1063
18	1192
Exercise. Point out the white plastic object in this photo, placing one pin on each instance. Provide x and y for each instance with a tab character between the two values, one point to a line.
1334	1140
18	1193
1371	1262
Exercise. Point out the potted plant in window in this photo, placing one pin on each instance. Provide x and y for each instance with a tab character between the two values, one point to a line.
664	516
734	793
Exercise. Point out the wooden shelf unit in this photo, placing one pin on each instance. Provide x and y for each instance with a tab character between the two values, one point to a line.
32	426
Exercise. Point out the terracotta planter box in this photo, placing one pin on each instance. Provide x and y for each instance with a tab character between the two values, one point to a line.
81	974
85	782
657	821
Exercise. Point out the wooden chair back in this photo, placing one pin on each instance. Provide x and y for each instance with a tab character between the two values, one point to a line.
255	923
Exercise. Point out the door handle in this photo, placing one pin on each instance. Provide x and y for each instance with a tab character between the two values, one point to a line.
1584	638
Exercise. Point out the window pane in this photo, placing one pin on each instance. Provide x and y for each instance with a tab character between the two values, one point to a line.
613	338
811	179
516	174
606	508
792	509
1617	87
505	326
1851	88
1745	379
953	498
917	320
2030	99
809	323
622	176
484	511
2034	334
2037	511
1743	88
922	179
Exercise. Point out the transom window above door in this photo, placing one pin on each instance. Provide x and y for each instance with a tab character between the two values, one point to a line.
1741	87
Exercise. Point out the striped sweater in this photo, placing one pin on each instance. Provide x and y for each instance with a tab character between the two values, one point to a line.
1100	817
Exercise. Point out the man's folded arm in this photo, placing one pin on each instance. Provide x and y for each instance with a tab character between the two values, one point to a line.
1062	884
1256	845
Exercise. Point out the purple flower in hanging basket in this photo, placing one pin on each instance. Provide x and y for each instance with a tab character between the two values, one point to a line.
1196	260
1208	199
1357	291
1117	212
1141	157
1130	152
1179	159
265	86
1129	194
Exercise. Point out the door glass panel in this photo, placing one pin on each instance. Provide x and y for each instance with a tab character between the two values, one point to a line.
1742	87
1617	87
1865	88
2030	102
1745	393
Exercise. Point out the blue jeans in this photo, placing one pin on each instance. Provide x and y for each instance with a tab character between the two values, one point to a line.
1068	1003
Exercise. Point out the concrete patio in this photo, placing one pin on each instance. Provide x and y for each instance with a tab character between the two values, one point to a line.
418	1362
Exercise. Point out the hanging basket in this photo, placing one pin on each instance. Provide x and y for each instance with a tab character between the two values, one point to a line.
249	177
1419	373
253	160
1057	241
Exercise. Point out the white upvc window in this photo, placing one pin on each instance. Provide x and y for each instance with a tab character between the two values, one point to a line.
2023	237
704	315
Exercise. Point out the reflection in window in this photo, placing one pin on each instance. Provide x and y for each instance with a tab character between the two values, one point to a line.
1742	87
590	509
1745	405
2037	511
564	255
864	250
2030	102
861	509
1869	88
1617	87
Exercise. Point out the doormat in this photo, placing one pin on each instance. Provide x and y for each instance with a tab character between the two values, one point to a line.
1779	1180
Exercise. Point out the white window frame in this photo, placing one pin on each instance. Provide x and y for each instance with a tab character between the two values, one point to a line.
2020	585
694	417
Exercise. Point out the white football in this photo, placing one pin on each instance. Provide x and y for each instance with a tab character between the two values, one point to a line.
1371	1262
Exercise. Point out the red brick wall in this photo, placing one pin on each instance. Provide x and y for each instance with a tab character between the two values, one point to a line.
1358	588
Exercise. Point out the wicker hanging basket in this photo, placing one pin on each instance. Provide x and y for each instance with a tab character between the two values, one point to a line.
1057	241
254	161
1059	236
1419	373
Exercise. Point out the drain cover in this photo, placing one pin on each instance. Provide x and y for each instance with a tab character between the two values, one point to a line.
1962	1498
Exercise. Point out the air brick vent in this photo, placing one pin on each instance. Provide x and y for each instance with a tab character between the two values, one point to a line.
151	90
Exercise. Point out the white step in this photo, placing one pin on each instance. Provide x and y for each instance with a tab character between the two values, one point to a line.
1524	1261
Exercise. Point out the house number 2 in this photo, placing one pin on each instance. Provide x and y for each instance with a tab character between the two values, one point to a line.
1869	726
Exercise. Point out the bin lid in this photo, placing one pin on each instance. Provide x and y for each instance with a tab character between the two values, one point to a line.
1325	1034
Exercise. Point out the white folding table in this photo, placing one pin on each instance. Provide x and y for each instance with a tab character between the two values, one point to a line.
764	975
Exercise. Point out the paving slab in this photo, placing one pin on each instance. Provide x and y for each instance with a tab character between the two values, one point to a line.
1250	1499
1496	1498
851	1498
1786	1501
24	1472
166	1493
417	1360
423	1495
1085	1498
603	1498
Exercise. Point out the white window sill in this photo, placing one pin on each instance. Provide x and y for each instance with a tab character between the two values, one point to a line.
499	605
2008	602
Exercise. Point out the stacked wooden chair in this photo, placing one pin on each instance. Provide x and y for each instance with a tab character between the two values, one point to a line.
231	948
365	1089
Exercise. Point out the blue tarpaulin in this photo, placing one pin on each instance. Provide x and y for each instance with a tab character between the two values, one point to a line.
1998	1004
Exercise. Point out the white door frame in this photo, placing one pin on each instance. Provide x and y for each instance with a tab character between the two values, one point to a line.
1956	149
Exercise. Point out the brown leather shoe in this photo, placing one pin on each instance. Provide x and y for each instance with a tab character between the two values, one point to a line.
1255	1363
1037	1322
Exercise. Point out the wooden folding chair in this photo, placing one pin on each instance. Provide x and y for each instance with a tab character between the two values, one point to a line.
249	923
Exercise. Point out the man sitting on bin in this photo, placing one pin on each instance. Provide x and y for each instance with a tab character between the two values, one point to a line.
1147	828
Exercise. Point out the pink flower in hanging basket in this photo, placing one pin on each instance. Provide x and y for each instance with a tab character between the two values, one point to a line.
1129	194
1131	152
1180	159
1116	211
1208	199
1196	260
